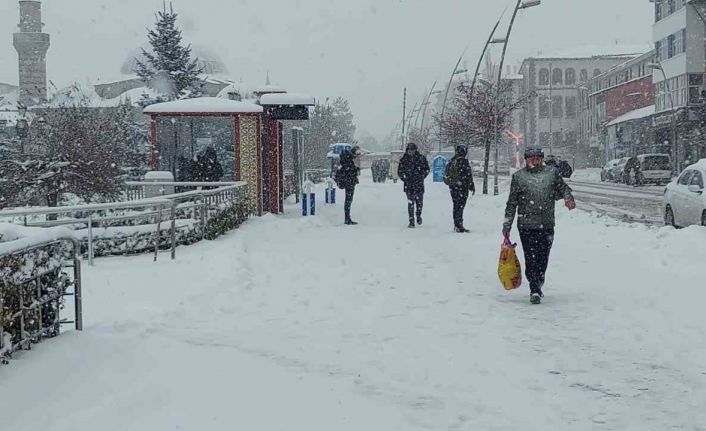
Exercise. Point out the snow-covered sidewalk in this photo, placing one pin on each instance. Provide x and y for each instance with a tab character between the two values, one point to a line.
297	323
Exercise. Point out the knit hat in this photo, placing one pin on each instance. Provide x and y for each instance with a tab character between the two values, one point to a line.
533	152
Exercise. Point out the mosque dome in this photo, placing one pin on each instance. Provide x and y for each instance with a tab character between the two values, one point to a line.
208	60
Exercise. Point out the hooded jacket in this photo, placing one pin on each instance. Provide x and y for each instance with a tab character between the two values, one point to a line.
412	171
347	174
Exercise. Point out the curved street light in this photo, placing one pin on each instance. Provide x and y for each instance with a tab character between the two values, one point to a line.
448	87
526	4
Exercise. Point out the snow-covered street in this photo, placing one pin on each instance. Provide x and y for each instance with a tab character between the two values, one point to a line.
295	323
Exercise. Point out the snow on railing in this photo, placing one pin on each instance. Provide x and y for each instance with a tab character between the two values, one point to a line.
35	277
137	226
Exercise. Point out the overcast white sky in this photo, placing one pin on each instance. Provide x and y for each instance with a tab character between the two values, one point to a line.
365	50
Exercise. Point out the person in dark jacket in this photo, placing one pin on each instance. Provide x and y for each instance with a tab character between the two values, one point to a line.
413	170
347	179
208	168
459	178
533	192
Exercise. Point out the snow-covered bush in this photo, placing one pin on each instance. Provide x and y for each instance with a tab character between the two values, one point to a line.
32	288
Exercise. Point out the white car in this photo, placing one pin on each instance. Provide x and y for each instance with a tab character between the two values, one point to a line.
684	199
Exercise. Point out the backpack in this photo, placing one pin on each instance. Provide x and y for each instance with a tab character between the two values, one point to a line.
452	175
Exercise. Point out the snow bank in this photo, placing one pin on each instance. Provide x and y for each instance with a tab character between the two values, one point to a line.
592	175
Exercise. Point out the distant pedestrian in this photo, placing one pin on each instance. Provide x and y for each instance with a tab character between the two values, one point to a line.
533	192
347	178
459	178
413	170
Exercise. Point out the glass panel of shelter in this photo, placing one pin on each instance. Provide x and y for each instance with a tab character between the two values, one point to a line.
182	144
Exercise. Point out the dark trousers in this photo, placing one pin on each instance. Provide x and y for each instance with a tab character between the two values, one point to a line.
350	191
459	198
415	204
537	245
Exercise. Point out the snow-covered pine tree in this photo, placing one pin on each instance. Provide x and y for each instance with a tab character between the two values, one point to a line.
169	67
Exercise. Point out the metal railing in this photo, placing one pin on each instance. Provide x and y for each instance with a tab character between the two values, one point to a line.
31	296
192	209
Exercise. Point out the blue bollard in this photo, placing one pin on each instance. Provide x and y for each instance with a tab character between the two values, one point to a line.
333	196
328	196
304	205
312	199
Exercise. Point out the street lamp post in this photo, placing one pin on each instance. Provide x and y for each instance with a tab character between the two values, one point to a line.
448	87
491	39
520	5
675	147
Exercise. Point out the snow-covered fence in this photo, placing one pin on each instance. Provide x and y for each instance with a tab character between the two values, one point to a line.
135	190
146	225
35	277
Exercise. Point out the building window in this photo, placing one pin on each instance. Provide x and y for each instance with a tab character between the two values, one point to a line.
596	72
544	108
544	139
570	78
557	139
584	75
557	77
557	107
544	77
571	138
571	108
696	82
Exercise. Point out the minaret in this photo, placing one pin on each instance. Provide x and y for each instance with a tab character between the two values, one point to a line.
32	46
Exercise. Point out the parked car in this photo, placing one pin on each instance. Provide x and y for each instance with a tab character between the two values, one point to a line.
684	199
607	171
618	171
654	169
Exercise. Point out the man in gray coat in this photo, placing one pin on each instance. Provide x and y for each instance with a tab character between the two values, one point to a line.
533	192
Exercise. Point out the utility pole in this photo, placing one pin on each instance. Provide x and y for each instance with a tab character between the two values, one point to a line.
551	109
404	115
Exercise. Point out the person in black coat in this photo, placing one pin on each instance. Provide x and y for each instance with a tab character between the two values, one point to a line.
413	169
208	167
459	178
347	179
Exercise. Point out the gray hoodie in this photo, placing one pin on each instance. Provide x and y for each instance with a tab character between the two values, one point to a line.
533	193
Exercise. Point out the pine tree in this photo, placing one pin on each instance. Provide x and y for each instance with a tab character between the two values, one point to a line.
169	67
343	121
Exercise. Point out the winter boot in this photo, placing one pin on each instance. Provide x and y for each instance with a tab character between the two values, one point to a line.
535	298
461	229
351	223
411	225
419	219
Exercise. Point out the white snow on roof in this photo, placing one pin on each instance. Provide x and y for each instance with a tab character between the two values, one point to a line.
287	99
634	115
589	51
203	105
269	89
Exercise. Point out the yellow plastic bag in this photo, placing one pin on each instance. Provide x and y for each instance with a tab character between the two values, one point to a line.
509	268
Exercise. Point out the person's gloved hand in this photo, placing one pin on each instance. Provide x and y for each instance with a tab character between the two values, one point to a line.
473	190
506	233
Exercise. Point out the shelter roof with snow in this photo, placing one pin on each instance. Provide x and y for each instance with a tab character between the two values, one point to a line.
287	99
203	105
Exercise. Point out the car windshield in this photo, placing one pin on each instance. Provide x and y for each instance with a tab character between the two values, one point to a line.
656	163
